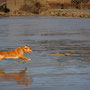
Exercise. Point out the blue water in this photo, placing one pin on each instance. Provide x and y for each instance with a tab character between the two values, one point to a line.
46	35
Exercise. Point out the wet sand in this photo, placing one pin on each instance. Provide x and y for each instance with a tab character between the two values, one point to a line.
46	35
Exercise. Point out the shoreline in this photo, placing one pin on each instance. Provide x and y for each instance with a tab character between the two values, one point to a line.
59	13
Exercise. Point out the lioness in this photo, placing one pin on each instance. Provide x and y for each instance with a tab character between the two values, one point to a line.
16	53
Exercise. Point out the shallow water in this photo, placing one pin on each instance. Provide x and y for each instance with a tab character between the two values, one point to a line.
46	35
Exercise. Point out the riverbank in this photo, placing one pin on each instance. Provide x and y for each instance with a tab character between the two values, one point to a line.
52	12
67	13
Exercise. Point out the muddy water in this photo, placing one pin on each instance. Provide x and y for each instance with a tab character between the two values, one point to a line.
46	35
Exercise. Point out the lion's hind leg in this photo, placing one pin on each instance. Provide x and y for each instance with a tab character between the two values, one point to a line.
1	57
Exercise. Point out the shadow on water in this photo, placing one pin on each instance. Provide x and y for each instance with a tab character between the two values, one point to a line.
20	78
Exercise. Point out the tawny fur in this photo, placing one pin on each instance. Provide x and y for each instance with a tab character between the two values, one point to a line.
16	53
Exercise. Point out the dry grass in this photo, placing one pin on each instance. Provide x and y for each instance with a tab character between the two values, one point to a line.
58	5
35	6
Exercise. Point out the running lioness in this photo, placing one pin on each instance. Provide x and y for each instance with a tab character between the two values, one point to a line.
16	53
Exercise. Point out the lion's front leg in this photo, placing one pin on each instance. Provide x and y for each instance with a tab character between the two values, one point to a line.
25	58
29	59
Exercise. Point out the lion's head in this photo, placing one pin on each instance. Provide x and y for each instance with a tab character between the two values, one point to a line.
27	49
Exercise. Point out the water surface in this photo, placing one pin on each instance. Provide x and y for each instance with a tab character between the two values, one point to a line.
46	35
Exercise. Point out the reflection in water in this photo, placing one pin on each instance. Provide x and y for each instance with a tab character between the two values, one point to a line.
61	54
21	78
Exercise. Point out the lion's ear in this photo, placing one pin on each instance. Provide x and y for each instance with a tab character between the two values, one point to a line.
26	46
